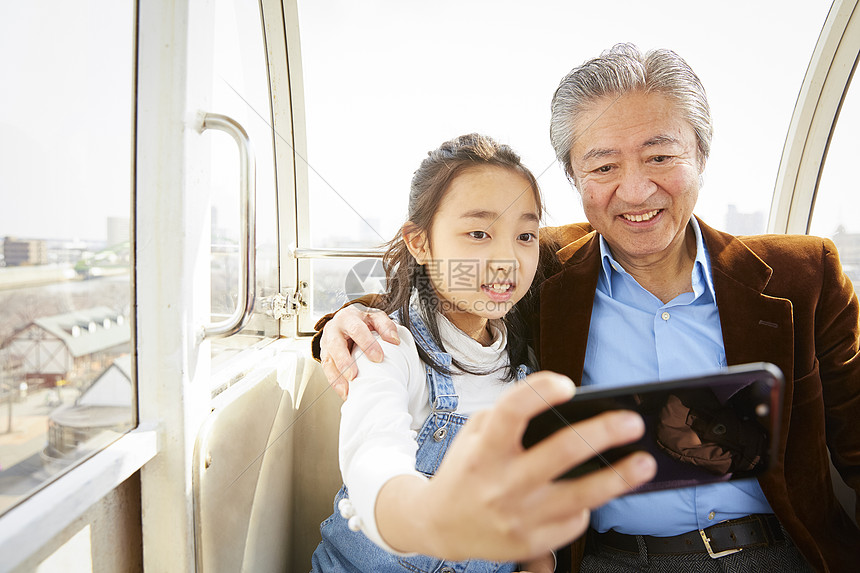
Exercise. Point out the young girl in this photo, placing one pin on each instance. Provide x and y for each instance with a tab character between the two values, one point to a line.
455	273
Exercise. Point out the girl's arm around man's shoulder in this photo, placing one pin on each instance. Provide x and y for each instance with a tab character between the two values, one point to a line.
377	440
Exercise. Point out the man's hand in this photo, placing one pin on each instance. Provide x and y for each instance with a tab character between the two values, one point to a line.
352	326
493	499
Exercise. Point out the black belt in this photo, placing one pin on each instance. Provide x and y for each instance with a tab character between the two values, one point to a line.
723	538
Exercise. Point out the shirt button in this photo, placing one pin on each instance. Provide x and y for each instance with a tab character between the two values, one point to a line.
665	316
711	516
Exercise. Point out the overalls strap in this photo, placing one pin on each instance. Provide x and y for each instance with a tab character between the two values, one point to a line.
443	397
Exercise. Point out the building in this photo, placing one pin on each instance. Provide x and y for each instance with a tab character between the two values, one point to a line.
848	245
740	223
74	346
24	252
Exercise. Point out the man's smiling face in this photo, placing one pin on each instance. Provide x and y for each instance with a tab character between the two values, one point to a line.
635	163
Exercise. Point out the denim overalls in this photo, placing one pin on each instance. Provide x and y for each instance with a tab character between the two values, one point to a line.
345	551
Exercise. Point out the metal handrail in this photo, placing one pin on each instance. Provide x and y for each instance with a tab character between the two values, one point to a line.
308	253
248	227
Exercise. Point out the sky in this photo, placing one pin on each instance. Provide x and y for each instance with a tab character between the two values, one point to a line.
386	81
383	82
65	117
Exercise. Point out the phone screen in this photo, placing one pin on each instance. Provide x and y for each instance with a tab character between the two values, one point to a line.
700	430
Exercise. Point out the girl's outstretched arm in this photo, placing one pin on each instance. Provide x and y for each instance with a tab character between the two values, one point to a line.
492	499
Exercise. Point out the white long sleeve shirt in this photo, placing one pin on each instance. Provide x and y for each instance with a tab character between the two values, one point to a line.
388	403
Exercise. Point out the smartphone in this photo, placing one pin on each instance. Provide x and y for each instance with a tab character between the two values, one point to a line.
704	429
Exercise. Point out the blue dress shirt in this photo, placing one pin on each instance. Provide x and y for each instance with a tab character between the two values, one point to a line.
635	338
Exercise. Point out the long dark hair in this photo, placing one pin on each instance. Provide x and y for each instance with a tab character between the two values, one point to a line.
403	273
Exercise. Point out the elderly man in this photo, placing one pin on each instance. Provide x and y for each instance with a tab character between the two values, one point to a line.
647	291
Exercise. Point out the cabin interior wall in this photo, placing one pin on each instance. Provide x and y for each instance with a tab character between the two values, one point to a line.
266	467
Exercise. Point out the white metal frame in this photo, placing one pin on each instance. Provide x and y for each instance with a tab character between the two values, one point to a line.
175	373
174	92
281	20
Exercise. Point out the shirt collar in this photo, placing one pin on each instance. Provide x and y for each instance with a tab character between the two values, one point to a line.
702	277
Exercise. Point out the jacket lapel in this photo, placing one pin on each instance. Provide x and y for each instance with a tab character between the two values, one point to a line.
756	327
566	300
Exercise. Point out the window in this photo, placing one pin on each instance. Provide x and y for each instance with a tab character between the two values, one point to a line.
66	148
385	83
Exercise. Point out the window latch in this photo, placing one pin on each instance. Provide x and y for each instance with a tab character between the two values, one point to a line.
281	306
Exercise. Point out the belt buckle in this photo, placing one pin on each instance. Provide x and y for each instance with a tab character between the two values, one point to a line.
718	554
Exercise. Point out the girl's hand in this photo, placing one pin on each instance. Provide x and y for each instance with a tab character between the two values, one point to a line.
492	499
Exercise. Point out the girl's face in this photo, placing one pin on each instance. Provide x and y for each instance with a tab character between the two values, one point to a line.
482	251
